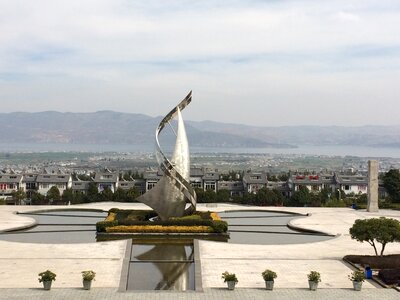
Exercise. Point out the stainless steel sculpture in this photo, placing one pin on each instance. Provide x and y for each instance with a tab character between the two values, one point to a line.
173	196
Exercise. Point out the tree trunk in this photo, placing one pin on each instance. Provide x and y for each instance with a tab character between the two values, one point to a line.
373	245
383	248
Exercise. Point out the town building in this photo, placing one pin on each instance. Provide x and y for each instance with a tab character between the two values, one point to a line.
254	181
235	188
45	182
10	183
106	180
356	184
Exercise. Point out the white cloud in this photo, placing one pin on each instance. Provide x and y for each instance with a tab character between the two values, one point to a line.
345	16
255	59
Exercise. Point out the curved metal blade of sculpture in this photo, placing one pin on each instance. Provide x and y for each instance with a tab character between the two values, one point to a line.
173	196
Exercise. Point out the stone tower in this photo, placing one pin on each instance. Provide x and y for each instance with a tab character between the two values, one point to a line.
373	186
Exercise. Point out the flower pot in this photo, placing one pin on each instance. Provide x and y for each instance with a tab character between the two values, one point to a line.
87	284
47	285
313	285
231	285
269	285
357	285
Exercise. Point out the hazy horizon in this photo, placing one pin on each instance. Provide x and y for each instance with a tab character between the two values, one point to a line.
205	120
260	63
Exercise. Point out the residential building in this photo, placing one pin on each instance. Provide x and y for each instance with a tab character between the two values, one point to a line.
139	184
357	184
204	178
151	177
80	186
10	183
30	184
234	187
281	186
254	181
106	180
45	182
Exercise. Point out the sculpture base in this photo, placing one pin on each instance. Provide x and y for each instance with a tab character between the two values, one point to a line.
141	225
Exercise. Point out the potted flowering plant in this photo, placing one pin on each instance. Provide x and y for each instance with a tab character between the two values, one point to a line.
313	279
88	277
269	277
230	279
47	278
358	278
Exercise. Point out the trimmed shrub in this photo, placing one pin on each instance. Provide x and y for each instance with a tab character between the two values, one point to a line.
140	218
219	226
103	225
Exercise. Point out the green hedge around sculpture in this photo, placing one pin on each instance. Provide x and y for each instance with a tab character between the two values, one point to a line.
140	218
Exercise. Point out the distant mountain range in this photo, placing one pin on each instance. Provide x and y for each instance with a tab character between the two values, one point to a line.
108	127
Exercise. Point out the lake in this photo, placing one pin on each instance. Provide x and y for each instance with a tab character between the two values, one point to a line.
337	150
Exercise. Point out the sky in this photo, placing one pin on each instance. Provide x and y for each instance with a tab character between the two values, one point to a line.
264	63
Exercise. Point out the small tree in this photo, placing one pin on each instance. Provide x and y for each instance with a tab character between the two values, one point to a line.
38	199
53	193
107	195
68	196
302	197
120	195
377	230
132	194
92	193
391	181
18	196
223	196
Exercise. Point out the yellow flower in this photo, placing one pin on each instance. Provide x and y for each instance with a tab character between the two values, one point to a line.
160	229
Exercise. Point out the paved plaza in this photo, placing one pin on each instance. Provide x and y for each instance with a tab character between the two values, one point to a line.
21	262
208	294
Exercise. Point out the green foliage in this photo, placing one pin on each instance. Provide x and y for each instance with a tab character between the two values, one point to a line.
119	195
141	217
302	197
391	181
132	194
358	276
273	178
190	217
219	226
113	210
377	230
223	196
283	177
92	193
232	175
210	196
102	225
127	215
18	195
314	276
68	196
129	175
53	193
226	276
88	275
106	195
47	276
269	275
2	201
335	203
38	199
84	177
